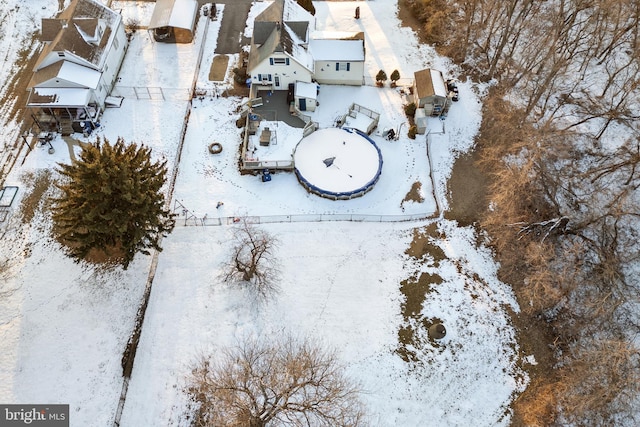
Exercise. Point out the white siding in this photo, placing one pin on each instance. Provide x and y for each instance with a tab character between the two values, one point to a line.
308	93
286	73
326	73
113	62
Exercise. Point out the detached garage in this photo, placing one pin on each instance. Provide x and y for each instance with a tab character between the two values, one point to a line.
174	21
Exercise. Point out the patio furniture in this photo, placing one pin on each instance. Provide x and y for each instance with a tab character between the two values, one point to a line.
265	137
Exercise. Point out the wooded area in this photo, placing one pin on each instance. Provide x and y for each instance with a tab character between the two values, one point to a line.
559	140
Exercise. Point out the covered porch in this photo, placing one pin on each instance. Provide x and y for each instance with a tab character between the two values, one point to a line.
64	110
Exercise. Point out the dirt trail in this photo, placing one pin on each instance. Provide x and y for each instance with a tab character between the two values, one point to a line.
467	190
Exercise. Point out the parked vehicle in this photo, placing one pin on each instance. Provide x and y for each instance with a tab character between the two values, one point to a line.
452	87
290	91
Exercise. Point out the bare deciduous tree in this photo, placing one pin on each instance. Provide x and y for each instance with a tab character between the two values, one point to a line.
285	382
253	260
602	381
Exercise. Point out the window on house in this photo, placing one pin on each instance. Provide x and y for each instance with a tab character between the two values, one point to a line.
279	61
115	43
61	54
343	66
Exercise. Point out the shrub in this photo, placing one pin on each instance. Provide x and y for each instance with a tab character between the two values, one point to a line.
395	76
413	130
410	109
381	77
240	75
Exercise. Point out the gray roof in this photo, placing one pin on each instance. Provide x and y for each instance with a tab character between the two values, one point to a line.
271	35
262	31
299	28
81	16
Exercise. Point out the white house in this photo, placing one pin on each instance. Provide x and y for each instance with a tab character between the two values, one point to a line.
338	60
283	51
279	46
78	67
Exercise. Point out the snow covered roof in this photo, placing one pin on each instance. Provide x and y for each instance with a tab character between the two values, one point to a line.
292	11
58	97
296	47
281	27
306	90
79	74
285	11
429	83
65	73
85	29
337	50
174	13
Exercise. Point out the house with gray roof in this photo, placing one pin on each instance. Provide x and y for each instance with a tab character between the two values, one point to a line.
284	51
78	66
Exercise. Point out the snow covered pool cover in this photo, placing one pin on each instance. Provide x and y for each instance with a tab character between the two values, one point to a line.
338	163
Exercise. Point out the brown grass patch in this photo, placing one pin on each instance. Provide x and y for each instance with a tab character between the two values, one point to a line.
536	406
37	186
218	70
415	292
112	256
421	244
414	194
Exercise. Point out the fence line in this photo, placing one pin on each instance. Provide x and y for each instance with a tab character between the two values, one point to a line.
131	347
189	220
153	93
267	164
403	82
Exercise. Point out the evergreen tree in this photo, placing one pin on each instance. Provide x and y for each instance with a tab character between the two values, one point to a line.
111	203
381	77
308	6
395	76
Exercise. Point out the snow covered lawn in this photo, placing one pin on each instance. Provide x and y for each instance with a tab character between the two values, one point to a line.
340	286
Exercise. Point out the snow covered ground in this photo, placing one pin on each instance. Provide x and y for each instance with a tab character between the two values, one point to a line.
63	326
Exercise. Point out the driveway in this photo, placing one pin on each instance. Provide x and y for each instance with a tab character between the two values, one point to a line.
234	19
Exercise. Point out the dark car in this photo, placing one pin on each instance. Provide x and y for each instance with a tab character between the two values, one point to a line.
290	93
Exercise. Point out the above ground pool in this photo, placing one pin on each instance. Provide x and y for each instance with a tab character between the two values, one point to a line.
338	163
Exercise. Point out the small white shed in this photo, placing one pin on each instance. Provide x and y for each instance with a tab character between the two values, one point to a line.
305	96
430	92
